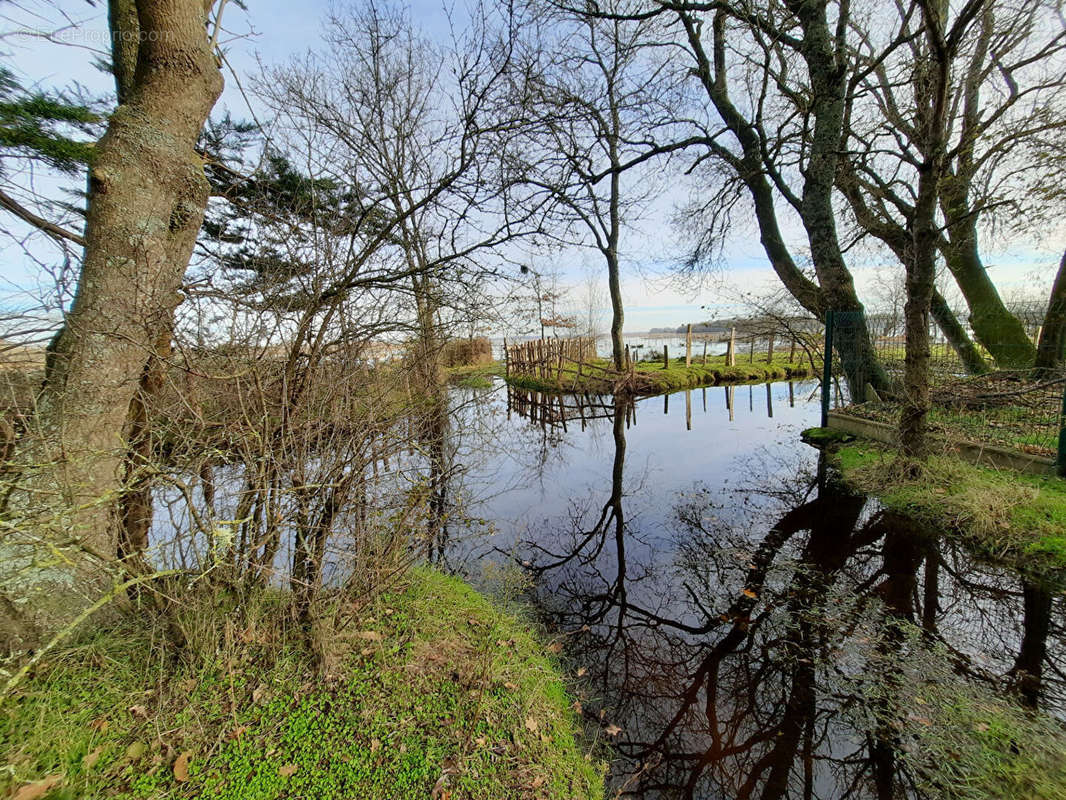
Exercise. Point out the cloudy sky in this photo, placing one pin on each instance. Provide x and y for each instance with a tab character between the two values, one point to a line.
274	30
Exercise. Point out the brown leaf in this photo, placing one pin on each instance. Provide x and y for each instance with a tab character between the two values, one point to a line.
531	724
90	759
581	671
555	647
375	745
259	693
287	771
181	767
750	593
138	711
32	791
370	636
537	782
612	730
99	724
577	707
238	732
509	685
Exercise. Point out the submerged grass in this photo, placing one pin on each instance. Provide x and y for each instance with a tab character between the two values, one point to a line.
431	691
959	738
1017	517
477	376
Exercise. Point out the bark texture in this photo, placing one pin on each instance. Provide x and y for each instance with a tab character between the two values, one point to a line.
147	194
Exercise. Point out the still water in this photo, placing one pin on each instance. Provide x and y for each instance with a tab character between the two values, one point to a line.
742	627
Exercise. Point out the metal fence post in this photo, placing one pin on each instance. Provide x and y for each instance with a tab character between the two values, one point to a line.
1061	463
827	368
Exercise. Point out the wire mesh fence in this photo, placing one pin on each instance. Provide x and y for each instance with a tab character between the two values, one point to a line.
983	394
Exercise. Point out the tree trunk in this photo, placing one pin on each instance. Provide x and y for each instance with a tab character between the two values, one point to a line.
1052	347
956	335
147	194
994	326
921	274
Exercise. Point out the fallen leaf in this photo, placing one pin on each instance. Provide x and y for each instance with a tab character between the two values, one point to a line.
370	636
576	706
135	751
258	693
509	685
531	724
99	724
287	771
32	791
555	647
138	711
375	745
481	741
581	671
612	730
537	782
181	767
238	732
90	759
750	593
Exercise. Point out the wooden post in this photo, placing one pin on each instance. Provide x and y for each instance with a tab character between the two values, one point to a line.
666	357
731	353
705	352
770	350
506	362
688	409
688	345
751	351
792	352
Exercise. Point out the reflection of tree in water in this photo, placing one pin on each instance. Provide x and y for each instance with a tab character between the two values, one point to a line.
738	656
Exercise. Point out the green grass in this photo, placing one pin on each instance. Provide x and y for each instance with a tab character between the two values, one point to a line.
432	686
1010	515
651	378
1007	426
475	376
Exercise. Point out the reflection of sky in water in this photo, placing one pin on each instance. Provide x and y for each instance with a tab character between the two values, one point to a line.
521	476
647	607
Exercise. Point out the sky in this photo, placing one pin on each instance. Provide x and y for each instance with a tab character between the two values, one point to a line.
272	31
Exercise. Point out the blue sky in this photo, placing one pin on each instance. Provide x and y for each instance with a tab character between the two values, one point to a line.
273	31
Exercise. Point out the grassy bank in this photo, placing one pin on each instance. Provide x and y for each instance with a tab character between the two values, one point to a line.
429	691
1010	516
650	378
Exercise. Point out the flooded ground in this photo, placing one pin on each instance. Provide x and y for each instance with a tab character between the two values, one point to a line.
743	627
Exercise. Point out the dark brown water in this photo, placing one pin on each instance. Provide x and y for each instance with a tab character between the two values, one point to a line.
751	628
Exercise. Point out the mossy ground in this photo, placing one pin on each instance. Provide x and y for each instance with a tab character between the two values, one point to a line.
429	691
1017	517
651	378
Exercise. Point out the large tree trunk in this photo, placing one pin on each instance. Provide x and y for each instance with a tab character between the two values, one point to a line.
1052	347
147	194
956	335
994	326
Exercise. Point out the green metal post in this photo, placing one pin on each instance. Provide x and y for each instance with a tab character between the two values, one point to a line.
1061	464
827	368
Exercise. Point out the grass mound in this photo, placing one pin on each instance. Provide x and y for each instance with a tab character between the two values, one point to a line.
1006	514
429	691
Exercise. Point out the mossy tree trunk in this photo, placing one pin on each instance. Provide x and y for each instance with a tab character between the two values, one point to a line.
1052	346
147	195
